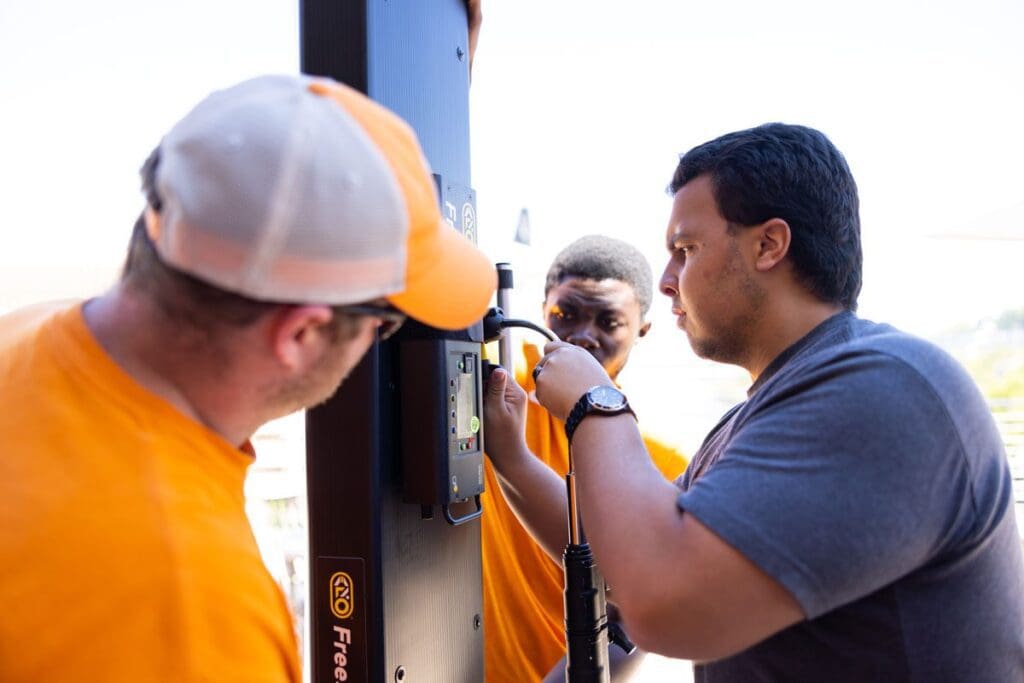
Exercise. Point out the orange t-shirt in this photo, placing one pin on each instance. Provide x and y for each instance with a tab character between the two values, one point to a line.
524	627
125	552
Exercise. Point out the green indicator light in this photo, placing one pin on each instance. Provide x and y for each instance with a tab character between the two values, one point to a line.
474	424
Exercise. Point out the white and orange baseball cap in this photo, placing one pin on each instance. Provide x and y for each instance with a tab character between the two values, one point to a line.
302	190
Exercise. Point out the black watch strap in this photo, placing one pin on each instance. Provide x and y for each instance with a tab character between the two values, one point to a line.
576	415
585	406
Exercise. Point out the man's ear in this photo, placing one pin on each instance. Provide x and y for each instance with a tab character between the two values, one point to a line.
773	238
298	334
644	329
153	224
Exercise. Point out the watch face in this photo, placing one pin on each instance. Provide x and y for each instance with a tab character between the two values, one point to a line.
607	398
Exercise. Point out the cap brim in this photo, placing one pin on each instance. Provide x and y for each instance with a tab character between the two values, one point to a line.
456	290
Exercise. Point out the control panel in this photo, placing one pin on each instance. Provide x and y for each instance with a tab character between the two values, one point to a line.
442	468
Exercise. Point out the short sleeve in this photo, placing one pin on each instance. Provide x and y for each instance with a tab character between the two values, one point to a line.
839	481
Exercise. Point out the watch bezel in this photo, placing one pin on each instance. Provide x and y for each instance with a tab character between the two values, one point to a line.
606	398
597	400
588	405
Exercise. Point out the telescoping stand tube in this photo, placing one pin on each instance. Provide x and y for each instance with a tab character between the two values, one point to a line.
586	614
505	285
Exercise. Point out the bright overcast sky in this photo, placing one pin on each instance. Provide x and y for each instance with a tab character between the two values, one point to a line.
579	110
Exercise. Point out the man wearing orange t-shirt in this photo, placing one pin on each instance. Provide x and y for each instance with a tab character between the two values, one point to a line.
290	222
597	294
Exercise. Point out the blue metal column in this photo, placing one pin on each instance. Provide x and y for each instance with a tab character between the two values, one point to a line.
395	589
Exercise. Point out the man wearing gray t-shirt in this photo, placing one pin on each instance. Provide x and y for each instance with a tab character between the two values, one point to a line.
852	520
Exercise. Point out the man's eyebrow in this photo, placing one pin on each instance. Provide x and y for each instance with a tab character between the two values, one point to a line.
678	234
581	300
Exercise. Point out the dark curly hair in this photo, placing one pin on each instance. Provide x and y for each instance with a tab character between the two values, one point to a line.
794	173
596	257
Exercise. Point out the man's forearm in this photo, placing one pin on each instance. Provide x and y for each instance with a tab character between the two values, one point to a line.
628	508
682	591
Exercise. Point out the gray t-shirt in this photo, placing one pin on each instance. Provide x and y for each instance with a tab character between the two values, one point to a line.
866	475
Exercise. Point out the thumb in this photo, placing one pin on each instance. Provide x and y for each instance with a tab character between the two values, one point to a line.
497	382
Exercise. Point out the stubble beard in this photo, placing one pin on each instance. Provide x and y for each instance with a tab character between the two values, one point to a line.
728	341
305	392
315	387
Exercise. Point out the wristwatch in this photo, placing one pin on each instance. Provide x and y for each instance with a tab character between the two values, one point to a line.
599	400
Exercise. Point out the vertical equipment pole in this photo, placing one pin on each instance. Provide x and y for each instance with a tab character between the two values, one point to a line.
394	588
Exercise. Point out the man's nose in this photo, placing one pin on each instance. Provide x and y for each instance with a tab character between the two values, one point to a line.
583	336
669	283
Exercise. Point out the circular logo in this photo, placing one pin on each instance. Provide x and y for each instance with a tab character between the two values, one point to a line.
342	599
469	221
